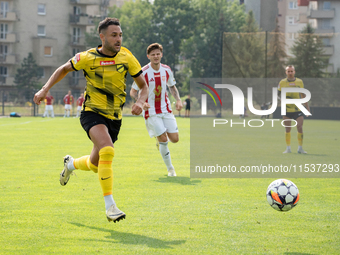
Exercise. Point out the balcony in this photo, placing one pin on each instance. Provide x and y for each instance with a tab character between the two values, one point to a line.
8	59
8	16
82	20
321	14
9	38
8	81
86	2
325	31
328	50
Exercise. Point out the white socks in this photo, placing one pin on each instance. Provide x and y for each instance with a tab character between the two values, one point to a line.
108	201
164	150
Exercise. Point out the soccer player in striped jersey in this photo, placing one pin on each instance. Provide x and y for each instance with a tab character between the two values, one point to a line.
159	119
68	100
292	112
105	69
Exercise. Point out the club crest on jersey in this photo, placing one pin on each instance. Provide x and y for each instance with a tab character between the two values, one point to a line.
107	63
120	68
158	90
163	78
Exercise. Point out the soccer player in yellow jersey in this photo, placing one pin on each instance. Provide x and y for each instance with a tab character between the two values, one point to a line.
292	112
105	69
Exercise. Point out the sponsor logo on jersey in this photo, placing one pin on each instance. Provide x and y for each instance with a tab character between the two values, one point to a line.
157	76
292	84
107	63
76	58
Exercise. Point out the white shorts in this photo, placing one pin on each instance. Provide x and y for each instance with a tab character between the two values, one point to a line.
49	107
68	107
78	108
161	123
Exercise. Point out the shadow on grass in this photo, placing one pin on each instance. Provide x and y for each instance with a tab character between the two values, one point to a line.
180	180
297	253
134	239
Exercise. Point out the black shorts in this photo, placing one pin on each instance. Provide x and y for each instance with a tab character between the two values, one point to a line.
187	108
294	115
90	119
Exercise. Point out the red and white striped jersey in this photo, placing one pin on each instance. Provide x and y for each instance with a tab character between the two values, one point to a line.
157	82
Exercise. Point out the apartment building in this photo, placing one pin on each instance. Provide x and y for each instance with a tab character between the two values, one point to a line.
53	31
291	19
325	18
295	14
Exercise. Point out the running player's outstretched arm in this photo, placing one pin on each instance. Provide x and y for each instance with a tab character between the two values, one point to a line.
143	95
57	76
175	94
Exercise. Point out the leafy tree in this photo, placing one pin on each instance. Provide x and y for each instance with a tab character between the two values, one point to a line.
27	77
276	54
244	52
203	49
308	57
136	21
173	22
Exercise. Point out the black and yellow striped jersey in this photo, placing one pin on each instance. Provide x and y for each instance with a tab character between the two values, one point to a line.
297	83
106	79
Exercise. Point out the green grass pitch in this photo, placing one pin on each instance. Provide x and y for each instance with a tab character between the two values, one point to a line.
164	215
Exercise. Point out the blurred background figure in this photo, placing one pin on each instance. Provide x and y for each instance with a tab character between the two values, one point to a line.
49	105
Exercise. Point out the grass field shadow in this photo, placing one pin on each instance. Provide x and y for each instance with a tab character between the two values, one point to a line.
133	239
179	180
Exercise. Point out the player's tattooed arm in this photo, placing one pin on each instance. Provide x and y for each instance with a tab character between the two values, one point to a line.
174	92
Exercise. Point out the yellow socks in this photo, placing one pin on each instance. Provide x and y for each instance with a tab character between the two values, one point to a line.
300	138
288	139
105	172
84	164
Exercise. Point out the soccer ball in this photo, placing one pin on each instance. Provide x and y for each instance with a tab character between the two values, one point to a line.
282	195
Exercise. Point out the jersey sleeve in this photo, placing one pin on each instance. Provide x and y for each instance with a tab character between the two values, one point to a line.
171	81
279	86
79	60
135	68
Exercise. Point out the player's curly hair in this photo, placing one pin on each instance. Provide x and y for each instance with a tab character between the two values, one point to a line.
154	46
107	22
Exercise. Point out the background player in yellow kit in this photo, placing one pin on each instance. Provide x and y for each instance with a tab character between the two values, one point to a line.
292	112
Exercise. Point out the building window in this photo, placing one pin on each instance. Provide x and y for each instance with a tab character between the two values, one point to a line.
3	31
326	5
76	35
41	9
3	71
3	9
76	10
3	49
48	51
291	20
41	30
293	5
